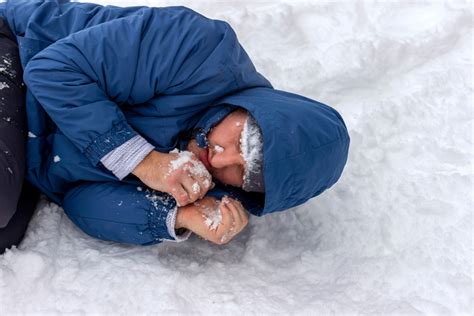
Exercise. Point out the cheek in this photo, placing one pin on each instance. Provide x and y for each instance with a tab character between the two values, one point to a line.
227	176
220	175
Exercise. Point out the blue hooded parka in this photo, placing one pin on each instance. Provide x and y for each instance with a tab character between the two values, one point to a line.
99	75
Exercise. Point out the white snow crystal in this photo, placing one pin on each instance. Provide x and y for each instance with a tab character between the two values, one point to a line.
196	168
212	217
57	158
31	135
4	85
183	157
218	149
196	188
156	198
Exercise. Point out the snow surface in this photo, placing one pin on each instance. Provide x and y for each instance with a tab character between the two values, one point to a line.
4	85
393	237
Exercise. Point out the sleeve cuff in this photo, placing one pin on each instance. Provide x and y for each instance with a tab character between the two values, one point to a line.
113	138
123	159
171	222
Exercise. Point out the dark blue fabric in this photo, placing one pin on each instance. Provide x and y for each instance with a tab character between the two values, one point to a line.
210	119
97	76
119	212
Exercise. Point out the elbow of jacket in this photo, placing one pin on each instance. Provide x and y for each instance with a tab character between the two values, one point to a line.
29	73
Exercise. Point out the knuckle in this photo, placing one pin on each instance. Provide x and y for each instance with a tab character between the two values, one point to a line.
224	240
188	166
183	199
216	239
172	172
170	181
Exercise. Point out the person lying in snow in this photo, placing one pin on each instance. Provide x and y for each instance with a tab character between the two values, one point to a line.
147	124
18	198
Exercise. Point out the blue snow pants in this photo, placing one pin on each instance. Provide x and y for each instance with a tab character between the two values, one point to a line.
119	211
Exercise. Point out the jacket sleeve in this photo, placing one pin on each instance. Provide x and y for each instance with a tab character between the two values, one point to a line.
83	79
125	158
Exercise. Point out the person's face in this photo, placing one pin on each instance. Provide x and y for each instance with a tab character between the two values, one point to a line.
223	157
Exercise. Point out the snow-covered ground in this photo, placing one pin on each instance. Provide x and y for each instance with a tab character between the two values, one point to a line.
394	236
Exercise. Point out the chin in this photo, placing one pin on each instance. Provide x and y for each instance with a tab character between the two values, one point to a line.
227	183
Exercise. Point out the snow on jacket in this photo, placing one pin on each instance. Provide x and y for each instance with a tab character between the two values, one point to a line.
98	76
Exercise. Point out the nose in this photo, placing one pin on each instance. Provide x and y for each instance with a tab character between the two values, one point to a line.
225	159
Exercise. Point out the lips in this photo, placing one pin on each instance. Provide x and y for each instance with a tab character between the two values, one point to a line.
204	158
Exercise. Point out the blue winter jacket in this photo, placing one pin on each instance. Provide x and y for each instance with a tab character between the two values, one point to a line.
97	76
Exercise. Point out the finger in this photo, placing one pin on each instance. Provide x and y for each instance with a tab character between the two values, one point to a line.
198	168
245	217
203	186
235	212
241	210
192	187
205	182
238	204
208	184
242	213
180	195
227	219
227	231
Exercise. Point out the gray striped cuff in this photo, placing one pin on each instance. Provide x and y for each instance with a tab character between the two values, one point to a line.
123	159
171	222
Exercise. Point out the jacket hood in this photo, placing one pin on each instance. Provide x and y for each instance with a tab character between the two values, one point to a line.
306	144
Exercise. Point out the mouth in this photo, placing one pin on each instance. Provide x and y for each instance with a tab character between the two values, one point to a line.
204	157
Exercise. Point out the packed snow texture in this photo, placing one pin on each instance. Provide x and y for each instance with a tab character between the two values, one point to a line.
212	217
186	162
218	149
393	236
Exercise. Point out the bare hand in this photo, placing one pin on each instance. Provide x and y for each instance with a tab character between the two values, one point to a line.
213	220
181	175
